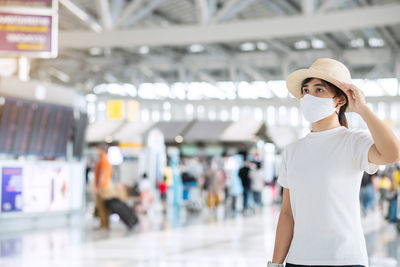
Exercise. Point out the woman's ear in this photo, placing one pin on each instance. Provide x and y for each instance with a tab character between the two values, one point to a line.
340	100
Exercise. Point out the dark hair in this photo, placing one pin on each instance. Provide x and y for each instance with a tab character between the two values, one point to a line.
338	92
258	165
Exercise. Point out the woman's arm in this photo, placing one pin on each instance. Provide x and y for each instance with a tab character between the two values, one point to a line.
284	231
386	149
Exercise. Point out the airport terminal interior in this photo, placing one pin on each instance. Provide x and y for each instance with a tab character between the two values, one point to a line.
152	133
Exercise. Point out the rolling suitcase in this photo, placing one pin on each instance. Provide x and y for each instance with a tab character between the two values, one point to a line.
126	214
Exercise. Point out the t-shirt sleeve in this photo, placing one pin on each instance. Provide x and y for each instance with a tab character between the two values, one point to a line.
282	178
361	143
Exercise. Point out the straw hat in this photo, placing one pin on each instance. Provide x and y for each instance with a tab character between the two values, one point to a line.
326	69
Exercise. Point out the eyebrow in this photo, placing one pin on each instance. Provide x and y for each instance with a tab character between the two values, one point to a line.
318	84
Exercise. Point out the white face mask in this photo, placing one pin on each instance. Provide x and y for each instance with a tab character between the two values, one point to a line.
316	108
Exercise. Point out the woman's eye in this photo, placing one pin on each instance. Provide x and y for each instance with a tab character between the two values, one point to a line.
305	91
320	90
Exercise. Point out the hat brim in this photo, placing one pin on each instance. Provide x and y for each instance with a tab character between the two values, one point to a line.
294	80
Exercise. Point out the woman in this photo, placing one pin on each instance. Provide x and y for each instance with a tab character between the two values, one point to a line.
319	223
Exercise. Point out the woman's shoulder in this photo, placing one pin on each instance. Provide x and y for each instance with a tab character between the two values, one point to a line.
356	133
293	145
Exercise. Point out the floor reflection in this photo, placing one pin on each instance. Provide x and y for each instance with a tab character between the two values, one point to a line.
177	238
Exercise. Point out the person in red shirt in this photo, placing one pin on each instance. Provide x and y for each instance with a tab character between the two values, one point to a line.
162	187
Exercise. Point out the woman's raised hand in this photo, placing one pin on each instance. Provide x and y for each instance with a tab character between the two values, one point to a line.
355	96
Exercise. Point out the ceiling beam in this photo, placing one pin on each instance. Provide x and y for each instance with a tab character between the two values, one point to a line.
326	5
237	31
307	7
225	9
116	10
203	11
82	14
234	7
205	77
219	61
150	73
105	14
129	10
142	13
389	38
288	7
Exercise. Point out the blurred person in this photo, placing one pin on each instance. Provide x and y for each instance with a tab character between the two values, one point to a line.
367	192
194	167
257	183
384	187
320	219
213	186
90	165
189	181
146	198
103	186
244	175
396	177
163	188
235	188
392	195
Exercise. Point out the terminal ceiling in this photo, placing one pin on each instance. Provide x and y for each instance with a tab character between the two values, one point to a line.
167	41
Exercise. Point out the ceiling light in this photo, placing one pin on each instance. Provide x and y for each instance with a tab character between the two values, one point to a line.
91	98
303	44
196	48
357	43
95	51
144	50
317	44
109	139
247	47
167	105
376	42
262	46
179	139
99	89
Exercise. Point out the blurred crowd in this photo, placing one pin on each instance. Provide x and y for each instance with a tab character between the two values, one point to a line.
381	190
235	182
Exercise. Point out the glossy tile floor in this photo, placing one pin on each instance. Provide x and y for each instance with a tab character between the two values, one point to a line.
179	239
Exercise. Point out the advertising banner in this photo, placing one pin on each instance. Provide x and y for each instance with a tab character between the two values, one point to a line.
115	109
27	3
11	193
41	187
27	35
133	109
47	188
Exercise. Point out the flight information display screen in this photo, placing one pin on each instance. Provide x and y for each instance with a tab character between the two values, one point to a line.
24	129
30	128
8	126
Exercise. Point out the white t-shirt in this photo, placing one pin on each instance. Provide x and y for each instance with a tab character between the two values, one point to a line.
257	180
323	173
